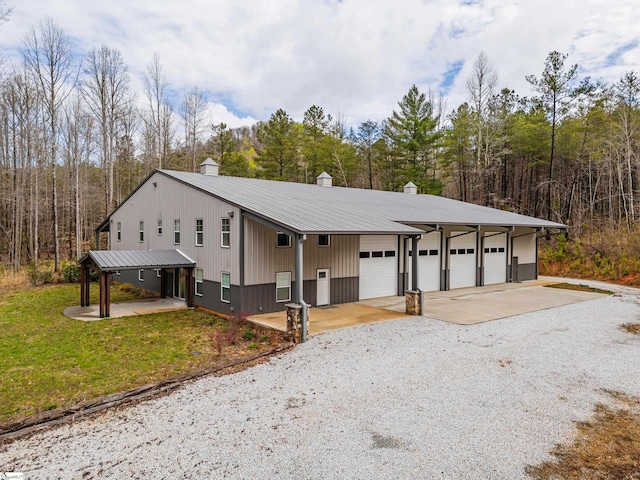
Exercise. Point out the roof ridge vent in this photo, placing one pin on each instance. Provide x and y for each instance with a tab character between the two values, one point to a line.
209	167
324	179
410	188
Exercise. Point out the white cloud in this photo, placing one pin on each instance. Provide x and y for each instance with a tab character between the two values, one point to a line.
354	57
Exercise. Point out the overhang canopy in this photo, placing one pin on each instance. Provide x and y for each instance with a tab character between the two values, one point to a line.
114	260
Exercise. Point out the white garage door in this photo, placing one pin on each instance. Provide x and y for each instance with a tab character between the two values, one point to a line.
428	263
495	259
378	266
462	260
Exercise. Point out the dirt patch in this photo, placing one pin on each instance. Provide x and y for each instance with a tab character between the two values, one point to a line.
579	288
633	328
605	448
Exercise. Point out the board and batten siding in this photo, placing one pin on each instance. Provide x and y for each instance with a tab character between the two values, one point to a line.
170	200
263	258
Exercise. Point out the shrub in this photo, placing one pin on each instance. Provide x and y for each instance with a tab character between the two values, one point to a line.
249	335
221	339
38	276
70	272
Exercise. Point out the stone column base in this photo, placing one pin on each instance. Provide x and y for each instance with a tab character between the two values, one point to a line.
294	322
413	302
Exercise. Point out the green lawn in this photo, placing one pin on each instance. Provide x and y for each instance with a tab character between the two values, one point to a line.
48	360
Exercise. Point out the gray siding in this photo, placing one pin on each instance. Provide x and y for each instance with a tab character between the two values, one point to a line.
527	271
262	298
211	299
151	281
170	200
263	259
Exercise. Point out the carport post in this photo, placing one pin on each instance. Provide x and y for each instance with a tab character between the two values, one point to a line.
299	274
414	262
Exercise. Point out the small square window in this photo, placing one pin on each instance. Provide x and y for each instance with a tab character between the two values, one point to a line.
225	232
365	254
494	250
471	251
453	251
199	232
423	253
461	251
323	240
501	250
159	227
283	240
283	286
487	250
390	253
377	254
433	252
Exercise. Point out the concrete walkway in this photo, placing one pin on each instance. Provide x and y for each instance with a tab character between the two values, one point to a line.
331	317
126	309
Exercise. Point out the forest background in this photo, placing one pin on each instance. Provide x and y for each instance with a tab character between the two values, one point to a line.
76	138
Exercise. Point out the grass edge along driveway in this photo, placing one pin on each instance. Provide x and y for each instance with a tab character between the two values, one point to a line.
48	360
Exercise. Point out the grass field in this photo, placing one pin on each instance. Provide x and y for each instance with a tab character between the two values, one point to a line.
48	360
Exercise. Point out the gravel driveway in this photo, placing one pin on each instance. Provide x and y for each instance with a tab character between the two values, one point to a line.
412	398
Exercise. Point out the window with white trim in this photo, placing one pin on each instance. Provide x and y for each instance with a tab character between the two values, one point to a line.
141	232
176	232
199	282
324	241
119	231
225	232
283	286
199	232
225	287
283	240
141	275
159	228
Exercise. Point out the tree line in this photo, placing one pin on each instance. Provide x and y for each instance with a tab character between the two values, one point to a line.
76	138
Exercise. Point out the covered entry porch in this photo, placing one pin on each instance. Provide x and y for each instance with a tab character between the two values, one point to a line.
108	262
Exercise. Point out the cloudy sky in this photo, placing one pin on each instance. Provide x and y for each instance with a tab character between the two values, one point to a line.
356	58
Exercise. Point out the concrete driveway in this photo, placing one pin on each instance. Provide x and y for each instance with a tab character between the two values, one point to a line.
462	306
468	306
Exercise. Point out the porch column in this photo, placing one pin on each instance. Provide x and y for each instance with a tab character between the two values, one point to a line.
163	283
82	289
190	287
102	294
414	262
107	296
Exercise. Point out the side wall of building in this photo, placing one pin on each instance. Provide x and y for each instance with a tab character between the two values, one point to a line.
525	248
263	259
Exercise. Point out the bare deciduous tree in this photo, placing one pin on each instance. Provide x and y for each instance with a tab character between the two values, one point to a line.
47	53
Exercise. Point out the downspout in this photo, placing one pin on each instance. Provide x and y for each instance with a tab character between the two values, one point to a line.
299	238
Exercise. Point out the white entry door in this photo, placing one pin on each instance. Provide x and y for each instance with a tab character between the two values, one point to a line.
322	281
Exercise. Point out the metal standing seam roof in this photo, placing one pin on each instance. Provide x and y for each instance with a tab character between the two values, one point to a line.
112	260
305	208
